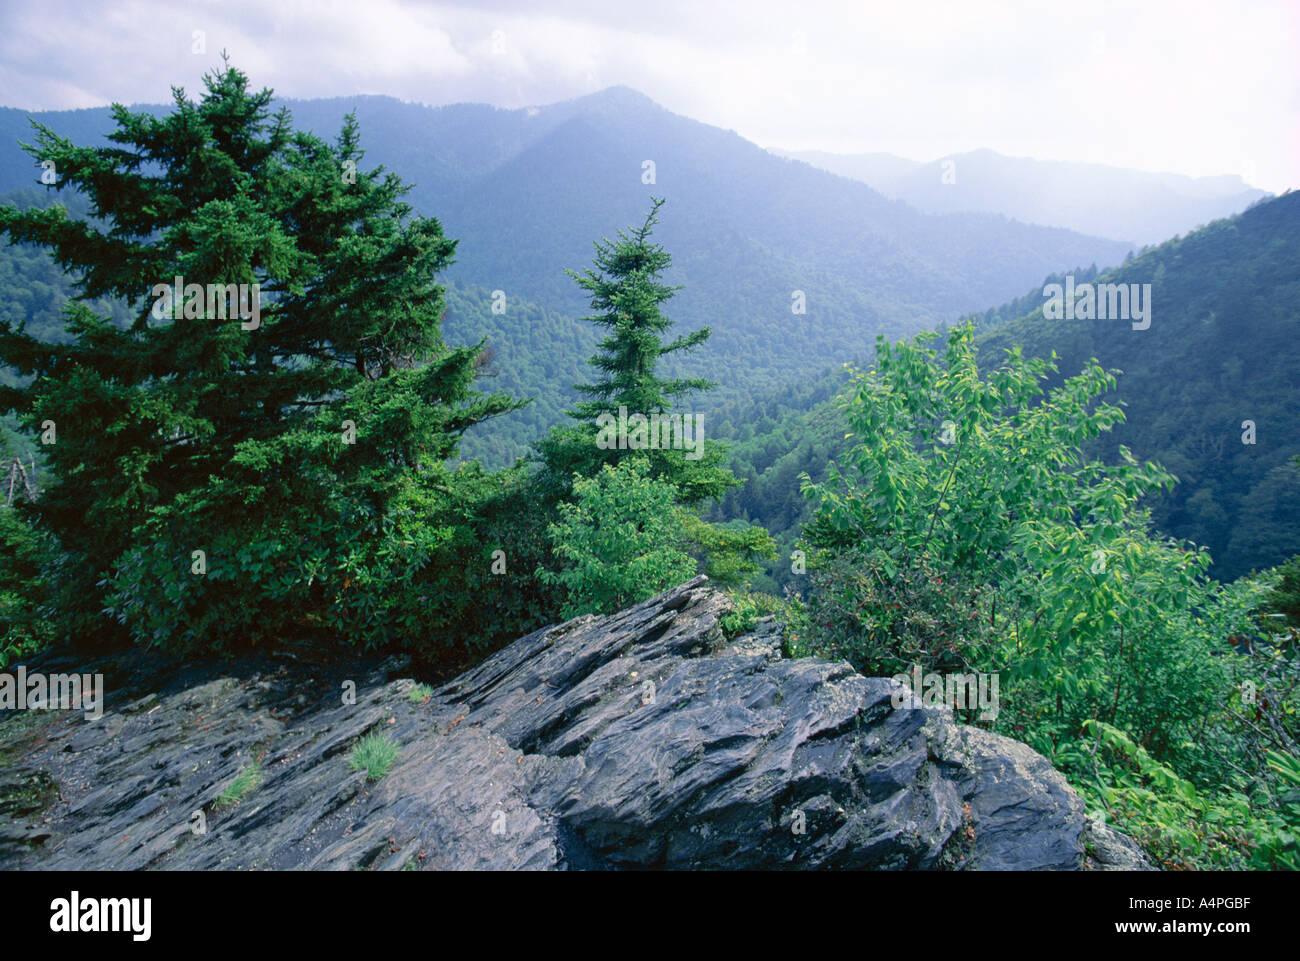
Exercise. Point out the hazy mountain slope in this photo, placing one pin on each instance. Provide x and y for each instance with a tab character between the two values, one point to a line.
745	229
535	353
1133	205
880	171
528	191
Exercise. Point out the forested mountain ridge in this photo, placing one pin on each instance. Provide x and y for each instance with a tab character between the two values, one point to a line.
1134	205
525	191
1221	350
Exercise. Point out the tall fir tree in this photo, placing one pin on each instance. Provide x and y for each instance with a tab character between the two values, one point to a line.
627	292
214	479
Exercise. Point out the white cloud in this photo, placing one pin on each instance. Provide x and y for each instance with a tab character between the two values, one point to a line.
1192	87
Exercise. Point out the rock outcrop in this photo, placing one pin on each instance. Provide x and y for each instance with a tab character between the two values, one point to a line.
641	740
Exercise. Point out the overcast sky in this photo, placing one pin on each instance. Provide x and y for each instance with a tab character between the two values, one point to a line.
1192	87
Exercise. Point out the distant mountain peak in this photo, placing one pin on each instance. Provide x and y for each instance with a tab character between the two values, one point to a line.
619	97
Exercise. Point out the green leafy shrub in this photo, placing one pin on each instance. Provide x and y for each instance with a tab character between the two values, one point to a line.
25	594
970	531
1279	843
729	553
750	606
619	540
996	526
1177	824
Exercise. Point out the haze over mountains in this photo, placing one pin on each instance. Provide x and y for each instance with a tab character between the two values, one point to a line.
527	191
1132	205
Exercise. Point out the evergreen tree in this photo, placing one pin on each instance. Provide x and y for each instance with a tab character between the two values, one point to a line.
292	430
627	292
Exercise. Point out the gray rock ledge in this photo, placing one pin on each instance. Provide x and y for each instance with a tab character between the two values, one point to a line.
641	740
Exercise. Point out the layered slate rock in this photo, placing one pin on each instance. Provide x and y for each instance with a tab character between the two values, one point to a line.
641	740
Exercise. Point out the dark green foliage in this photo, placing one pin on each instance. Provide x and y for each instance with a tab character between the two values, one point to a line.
25	557
304	456
1281	605
887	612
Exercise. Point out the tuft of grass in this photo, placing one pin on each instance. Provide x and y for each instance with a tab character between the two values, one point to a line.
749	606
374	754
246	782
419	694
